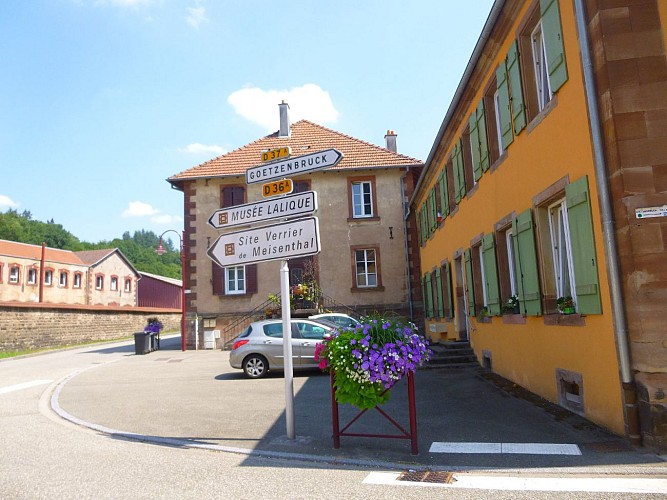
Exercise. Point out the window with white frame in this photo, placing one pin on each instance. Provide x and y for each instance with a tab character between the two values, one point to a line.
499	130
99	282
128	285
366	268
77	280
32	276
48	277
542	84
235	282
63	278
114	283
561	249
14	274
511	269
362	199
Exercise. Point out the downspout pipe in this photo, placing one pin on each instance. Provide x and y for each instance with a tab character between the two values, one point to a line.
608	231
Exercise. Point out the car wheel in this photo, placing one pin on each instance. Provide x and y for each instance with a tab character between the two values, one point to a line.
255	366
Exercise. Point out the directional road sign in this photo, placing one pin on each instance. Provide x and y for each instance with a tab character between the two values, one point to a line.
273	188
289	206
293	166
284	240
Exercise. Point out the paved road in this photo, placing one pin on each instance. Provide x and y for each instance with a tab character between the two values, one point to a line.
45	456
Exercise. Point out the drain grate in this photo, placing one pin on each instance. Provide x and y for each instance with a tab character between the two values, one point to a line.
427	476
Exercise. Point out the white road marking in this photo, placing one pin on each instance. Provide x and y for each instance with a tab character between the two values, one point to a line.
24	385
513	448
509	483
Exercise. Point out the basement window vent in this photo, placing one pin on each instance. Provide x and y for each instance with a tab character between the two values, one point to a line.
570	390
486	360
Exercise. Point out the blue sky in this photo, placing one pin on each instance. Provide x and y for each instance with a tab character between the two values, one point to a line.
102	100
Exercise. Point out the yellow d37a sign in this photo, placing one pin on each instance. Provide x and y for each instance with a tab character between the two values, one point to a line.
274	154
284	186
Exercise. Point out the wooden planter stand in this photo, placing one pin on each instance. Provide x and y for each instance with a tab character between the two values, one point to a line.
412	435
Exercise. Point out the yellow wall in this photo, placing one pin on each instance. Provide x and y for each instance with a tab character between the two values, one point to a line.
558	146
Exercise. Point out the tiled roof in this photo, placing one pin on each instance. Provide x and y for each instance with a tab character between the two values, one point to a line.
94	256
27	251
306	137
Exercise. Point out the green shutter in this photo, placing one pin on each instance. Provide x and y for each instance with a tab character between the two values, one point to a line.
459	174
440	313
434	209
553	40
584	258
428	218
504	106
447	288
474	146
424	306
484	153
429	296
444	196
491	274
418	220
516	89
470	292
525	264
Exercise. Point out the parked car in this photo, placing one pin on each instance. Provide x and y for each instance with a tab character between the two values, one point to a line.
339	319
259	348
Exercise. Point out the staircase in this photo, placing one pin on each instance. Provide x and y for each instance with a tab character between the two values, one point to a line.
452	354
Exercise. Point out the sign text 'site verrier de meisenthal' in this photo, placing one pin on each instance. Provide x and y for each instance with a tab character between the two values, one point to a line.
293	166
285	240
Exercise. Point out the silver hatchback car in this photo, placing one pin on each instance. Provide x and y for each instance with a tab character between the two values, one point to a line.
259	348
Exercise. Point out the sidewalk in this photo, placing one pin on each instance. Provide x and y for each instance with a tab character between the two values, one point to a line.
194	399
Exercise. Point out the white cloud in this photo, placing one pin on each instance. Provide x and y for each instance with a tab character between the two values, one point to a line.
196	16
197	148
260	106
139	209
166	219
7	202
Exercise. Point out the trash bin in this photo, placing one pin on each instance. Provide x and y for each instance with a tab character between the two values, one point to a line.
142	343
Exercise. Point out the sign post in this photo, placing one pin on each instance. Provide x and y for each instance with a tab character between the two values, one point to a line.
287	349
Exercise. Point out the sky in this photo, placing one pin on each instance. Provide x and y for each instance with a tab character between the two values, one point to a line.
102	100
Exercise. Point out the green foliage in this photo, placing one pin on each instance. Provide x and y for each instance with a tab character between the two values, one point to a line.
138	248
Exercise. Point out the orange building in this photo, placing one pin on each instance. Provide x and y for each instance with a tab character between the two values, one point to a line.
542	208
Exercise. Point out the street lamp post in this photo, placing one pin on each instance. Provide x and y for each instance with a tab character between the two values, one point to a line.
160	250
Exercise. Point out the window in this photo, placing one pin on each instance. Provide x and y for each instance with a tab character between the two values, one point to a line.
14	274
2	269
310	331
366	268
561	249
362	199
506	260
497	134
99	282
231	196
542	87
301	186
479	143
468	174
235	280
77	280
48	277
32	276
114	283
128	285
63	279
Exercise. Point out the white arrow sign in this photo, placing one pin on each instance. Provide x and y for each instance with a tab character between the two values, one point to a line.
285	207
286	240
293	166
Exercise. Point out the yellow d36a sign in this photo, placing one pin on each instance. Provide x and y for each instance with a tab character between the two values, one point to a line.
274	154
284	186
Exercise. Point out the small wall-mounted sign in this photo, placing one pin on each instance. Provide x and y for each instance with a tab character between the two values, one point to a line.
648	212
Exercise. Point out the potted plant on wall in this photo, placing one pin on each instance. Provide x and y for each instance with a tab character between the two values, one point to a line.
511	306
566	305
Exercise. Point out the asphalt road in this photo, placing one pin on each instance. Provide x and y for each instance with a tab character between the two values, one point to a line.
44	456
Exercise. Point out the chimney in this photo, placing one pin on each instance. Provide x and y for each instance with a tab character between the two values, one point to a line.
390	138
284	120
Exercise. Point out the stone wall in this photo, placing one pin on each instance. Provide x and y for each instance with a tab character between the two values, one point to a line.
39	326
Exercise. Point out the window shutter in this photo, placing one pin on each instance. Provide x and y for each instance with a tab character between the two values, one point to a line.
251	278
484	153
504	106
434	209
516	89
553	40
491	274
429	296
525	262
470	292
447	288
444	196
440	311
418	219
424	303
474	146
218	279
584	259
459	174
